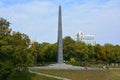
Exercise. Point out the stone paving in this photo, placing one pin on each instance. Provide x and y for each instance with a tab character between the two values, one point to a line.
70	67
65	67
59	66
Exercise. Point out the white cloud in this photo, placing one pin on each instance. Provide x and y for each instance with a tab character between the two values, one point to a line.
101	20
38	19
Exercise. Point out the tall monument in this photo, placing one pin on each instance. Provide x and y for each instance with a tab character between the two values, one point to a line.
60	43
60	64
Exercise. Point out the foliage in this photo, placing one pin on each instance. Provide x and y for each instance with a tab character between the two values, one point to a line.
51	53
78	63
97	54
68	48
100	54
72	59
81	51
14	54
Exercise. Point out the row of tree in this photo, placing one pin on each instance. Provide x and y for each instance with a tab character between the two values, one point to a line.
78	51
17	52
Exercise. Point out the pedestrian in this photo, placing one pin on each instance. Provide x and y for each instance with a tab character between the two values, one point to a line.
86	67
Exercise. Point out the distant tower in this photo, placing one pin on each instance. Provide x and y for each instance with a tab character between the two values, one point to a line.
60	43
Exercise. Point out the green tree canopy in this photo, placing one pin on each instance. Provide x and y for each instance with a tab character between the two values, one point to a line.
14	47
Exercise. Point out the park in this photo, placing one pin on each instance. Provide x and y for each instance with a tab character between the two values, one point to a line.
67	59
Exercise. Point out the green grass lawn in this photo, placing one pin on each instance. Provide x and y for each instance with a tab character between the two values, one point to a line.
84	74
30	76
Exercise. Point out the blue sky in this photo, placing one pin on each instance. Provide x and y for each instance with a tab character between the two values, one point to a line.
38	18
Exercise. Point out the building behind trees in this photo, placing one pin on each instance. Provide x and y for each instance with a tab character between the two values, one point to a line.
88	39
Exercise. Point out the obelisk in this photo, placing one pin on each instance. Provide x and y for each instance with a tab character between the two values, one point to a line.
60	43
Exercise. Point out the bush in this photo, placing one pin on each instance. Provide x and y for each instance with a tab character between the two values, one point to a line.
77	63
72	59
45	63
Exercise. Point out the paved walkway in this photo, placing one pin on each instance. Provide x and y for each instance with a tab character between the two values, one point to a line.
52	76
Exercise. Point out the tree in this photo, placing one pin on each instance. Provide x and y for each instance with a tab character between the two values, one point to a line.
68	48
6	65
109	49
51	53
22	58
68	40
39	52
100	54
35	51
69	52
81	51
91	53
43	49
14	47
117	54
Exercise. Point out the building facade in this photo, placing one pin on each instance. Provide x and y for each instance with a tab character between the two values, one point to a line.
88	39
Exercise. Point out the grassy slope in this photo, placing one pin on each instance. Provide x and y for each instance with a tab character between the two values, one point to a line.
85	74
30	76
114	66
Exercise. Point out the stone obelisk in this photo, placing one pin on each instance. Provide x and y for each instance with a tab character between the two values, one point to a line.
60	43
